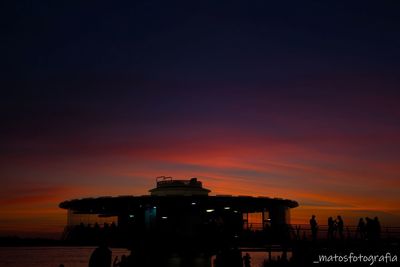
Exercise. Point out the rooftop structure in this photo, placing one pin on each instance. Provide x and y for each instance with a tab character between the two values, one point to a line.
166	186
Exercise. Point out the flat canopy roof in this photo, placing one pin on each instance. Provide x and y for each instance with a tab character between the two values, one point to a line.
122	204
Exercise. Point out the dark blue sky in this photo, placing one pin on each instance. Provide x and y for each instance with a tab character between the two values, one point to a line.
243	41
154	56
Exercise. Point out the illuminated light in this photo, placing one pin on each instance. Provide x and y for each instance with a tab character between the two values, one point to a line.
164	217
154	207
269	219
193	203
210	210
227	208
131	216
235	211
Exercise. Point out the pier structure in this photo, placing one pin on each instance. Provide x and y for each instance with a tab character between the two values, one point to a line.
179	217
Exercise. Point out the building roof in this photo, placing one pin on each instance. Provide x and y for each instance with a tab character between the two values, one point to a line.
116	205
171	193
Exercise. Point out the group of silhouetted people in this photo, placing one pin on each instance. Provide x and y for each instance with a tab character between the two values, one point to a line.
335	227
369	229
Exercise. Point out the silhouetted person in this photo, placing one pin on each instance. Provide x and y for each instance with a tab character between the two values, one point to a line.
331	228
340	226
361	228
101	257
247	260
369	228
314	227
61	265
377	228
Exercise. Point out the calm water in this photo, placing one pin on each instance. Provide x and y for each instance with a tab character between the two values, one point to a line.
70	256
49	256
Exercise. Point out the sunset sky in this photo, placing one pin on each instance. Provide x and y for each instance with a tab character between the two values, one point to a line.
297	100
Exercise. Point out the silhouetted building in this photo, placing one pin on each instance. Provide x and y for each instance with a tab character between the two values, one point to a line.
177	213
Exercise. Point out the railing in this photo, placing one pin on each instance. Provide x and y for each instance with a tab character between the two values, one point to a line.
169	181
350	232
301	231
161	179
